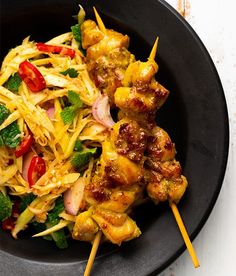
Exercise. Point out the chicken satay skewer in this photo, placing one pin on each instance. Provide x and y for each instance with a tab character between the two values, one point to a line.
93	253
99	234
173	206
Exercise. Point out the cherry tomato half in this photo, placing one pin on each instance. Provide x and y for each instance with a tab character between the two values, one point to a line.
55	49
24	146
31	76
37	168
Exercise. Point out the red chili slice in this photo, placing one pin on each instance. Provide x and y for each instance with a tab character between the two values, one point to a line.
24	146
31	76
8	224
37	168
55	49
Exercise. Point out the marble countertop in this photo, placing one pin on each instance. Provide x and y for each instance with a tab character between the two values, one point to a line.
214	21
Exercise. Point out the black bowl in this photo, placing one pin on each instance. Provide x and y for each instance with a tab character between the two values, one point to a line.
195	116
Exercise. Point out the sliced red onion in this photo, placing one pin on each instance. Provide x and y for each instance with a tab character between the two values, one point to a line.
101	111
51	113
73	197
26	163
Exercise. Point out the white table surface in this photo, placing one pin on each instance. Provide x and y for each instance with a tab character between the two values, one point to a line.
215	22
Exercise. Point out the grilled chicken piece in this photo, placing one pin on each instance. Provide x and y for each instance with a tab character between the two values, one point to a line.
117	227
90	34
107	57
140	73
165	179
160	146
108	71
141	95
116	183
117	199
129	139
98	44
166	189
119	170
85	227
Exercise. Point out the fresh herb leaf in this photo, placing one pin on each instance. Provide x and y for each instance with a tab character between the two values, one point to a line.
5	207
71	72
39	227
78	145
74	99
47	238
68	114
53	216
25	201
1	141
76	31
13	83
11	135
53	219
4	113
81	158
60	239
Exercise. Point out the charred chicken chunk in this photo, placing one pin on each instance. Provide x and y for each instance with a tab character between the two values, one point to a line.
165	179
160	146
118	199
161	189
141	95
129	139
107	57
119	169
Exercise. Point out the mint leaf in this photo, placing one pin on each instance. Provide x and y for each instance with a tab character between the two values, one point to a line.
59	238
71	72
53	216
53	219
81	158
5	207
78	145
11	135
25	201
76	32
68	114
4	113
74	99
1	141
13	83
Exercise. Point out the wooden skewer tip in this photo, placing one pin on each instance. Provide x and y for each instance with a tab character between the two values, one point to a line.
185	235
99	21
154	50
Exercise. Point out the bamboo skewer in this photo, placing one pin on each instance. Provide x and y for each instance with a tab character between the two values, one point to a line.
99	234
93	253
154	50
100	22
184	233
173	206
